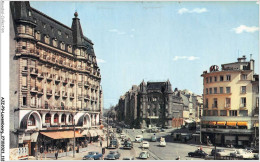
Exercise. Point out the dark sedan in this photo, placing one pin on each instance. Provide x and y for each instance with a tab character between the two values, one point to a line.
90	155
198	153
115	153
110	157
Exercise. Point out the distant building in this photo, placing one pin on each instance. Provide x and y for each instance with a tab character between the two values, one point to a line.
54	81
152	103
231	104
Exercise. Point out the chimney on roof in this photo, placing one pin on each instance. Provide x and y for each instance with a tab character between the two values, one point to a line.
242	59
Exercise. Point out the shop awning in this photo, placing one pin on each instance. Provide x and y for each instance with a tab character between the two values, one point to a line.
212	123
99	132
221	123
61	134
231	123
91	133
205	122
241	123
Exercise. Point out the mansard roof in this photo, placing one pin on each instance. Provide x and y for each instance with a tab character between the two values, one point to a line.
51	27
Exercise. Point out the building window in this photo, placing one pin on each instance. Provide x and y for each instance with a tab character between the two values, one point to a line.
220	90
215	90
223	112
31	121
210	90
24	82
54	42
24	100
47	39
232	112
210	79
206	103
62	46
48	118
59	32
243	89
215	112
44	25
52	29
257	102
243	102
63	118
221	78
243	113
38	35
207	80
24	45
215	78
32	100
70	118
207	91
227	103
56	118
244	77
215	103
228	90
67	35
228	77
46	105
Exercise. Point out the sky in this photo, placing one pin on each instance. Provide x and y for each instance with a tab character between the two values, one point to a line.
157	41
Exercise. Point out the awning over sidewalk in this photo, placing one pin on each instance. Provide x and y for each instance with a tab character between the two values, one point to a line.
212	123
61	134
221	123
99	132
231	123
241	123
91	133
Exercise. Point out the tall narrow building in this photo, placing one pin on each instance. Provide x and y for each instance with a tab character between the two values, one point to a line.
54	80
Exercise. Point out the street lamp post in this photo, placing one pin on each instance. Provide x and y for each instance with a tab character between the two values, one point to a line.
74	138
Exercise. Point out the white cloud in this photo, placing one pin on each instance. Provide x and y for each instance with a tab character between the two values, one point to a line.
133	29
132	36
117	31
100	60
190	58
244	28
195	10
258	2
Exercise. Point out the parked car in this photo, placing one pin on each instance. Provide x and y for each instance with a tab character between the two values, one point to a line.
144	155
128	144
198	153
98	157
118	130
115	153
217	151
153	138
162	142
90	155
128	158
139	138
113	143
241	153
145	144
110	157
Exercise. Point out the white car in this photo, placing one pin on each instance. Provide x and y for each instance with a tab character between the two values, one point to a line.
144	155
122	135
145	144
162	142
139	138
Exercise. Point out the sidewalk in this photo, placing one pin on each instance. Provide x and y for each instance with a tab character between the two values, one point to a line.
78	156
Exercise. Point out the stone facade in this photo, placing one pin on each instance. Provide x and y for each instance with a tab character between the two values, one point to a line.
231	104
54	76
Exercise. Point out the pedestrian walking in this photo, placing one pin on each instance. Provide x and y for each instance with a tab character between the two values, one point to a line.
56	155
133	129
101	143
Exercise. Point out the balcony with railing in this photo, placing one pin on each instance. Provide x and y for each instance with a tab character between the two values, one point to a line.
34	89
227	106
65	81
25	69
86	97
40	91
86	84
72	95
34	71
57	94
64	94
57	79
49	77
49	92
40	75
214	106
242	106
72	82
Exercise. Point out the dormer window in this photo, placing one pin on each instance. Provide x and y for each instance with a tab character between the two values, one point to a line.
47	39
52	29
62	45
59	32
67	35
29	13
54	42
44	25
38	35
69	49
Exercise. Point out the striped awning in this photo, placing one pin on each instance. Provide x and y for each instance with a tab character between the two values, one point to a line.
231	123
241	123
61	134
212	123
221	123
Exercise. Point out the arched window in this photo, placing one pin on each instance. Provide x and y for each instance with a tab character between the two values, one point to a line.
48	118
70	118
56	118
31	121
85	121
63	118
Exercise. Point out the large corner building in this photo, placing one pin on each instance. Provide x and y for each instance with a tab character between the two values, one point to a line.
231	104
54	81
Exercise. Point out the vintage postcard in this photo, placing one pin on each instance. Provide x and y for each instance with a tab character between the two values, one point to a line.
129	80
